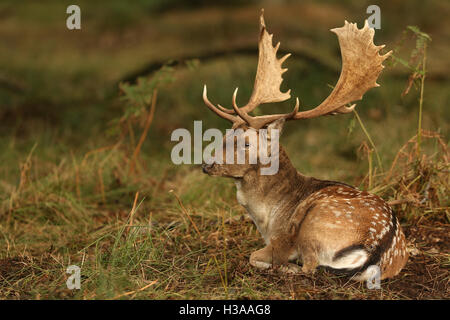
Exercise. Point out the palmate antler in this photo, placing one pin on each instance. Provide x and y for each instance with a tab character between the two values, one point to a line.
268	79
361	66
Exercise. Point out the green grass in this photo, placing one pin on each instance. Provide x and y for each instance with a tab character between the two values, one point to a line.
67	197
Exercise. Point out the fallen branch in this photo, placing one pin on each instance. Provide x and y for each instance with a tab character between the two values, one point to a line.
135	291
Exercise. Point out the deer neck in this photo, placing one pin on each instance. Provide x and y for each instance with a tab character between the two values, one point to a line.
266	197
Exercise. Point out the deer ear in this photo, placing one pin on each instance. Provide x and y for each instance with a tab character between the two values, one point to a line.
277	124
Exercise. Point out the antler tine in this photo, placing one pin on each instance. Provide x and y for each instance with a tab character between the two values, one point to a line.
241	113
361	66
226	110
261	121
235	120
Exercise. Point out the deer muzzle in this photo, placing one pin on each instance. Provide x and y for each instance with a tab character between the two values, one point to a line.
207	167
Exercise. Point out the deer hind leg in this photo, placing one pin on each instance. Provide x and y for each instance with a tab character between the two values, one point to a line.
309	259
283	248
267	258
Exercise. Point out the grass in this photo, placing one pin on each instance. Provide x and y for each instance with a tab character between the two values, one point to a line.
86	177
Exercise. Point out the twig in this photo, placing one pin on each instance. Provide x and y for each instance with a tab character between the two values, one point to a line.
183	209
144	133
135	291
369	138
419	129
224	284
96	151
130	223
25	168
399	201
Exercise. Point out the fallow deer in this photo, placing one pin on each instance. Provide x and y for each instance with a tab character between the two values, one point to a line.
316	222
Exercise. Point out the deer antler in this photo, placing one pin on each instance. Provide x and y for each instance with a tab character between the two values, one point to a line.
221	111
267	84
361	66
269	72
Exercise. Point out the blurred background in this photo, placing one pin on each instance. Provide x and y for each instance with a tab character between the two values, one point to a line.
80	136
59	87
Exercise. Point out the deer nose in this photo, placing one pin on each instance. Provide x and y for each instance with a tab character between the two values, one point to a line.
206	167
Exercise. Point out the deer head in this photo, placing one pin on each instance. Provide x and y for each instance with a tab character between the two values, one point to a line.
361	65
245	149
